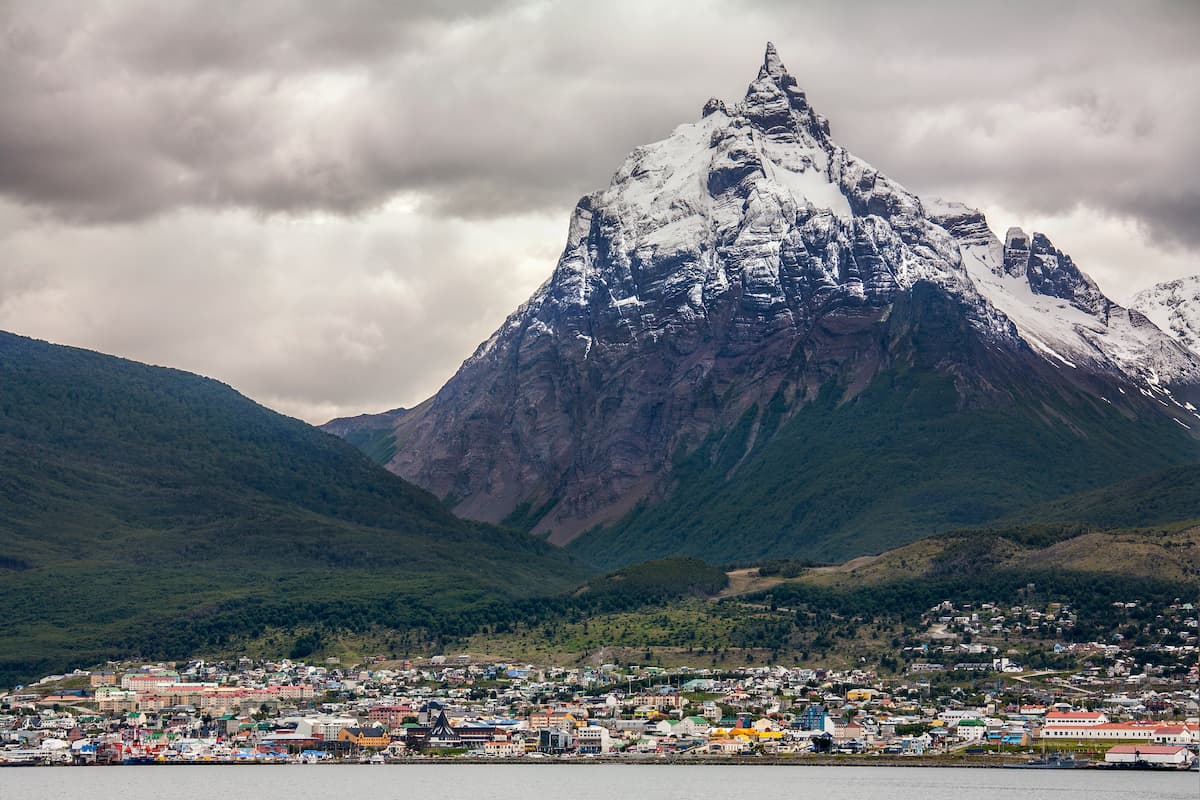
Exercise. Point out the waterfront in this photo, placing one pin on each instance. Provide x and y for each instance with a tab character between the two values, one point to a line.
269	712
586	782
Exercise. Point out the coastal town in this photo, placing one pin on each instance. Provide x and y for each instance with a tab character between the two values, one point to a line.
954	700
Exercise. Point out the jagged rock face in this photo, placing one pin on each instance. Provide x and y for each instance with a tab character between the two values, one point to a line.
745	255
1061	313
1051	273
1174	307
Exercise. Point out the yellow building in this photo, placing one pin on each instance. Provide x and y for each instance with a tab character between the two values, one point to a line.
365	738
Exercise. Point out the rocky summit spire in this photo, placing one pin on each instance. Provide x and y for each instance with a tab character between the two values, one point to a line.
774	94
772	66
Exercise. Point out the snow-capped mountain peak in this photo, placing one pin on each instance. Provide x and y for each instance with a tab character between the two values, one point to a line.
737	270
1051	272
756	203
753	202
1174	306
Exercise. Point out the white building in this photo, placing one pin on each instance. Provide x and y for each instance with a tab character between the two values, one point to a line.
326	728
593	740
1165	754
1175	734
1123	731
1075	718
970	730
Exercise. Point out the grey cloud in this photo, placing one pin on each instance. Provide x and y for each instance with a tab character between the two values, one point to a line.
1044	107
1172	214
318	318
488	109
329	205
161	106
276	36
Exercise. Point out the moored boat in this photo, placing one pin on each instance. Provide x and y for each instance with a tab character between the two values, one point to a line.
1054	761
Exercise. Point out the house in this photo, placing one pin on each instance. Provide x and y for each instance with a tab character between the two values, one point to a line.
560	718
326	728
102	679
1175	734
110	699
365	738
1020	738
727	746
850	732
657	701
1172	755
504	748
970	730
1108	730
391	716
663	727
473	737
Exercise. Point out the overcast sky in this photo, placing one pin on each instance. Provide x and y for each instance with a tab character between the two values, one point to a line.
328	205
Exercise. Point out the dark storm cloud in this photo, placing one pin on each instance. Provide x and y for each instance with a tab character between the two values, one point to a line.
1173	214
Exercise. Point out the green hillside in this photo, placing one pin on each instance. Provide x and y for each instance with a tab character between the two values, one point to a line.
910	456
1161	497
147	511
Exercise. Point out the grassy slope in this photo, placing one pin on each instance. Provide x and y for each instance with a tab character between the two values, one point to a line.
903	459
377	444
835	614
1169	552
151	511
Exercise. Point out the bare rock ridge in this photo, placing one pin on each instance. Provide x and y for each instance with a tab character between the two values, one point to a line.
749	262
364	422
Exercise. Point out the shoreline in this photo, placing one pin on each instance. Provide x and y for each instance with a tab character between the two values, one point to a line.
927	762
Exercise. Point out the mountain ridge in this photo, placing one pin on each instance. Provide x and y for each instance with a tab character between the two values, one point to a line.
748	260
151	511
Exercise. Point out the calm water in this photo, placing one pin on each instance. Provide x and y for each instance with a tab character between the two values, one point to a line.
584	782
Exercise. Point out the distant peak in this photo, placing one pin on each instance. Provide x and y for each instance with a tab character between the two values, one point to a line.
772	65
